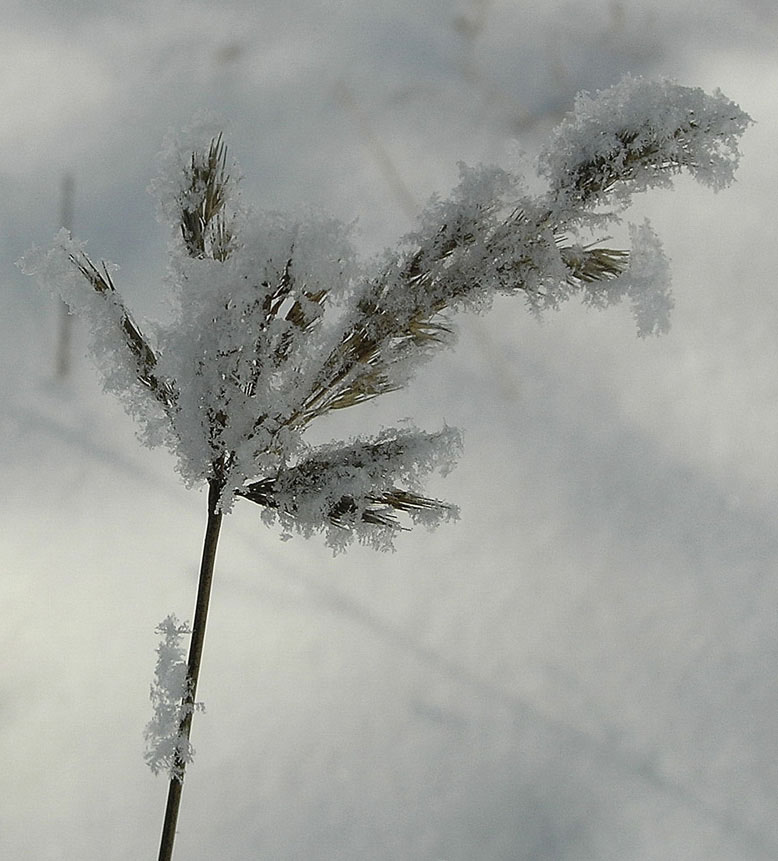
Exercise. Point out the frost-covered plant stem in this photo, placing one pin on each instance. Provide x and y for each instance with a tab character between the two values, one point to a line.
210	543
278	325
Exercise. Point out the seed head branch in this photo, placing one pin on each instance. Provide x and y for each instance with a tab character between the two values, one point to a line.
145	358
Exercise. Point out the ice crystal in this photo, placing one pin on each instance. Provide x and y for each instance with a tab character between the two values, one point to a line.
166	748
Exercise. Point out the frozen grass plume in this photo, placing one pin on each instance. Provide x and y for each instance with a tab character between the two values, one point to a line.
277	323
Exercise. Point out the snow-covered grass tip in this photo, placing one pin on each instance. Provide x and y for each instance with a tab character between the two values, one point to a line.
279	324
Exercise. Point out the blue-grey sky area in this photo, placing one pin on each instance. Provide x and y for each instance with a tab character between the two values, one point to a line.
583	666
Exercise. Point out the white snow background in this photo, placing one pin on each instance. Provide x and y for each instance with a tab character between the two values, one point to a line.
583	667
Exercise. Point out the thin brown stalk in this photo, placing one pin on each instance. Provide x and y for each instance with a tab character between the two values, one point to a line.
193	668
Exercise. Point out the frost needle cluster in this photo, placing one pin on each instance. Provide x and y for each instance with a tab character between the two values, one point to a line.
166	748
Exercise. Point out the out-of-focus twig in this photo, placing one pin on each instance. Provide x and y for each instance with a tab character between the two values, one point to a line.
386	165
65	323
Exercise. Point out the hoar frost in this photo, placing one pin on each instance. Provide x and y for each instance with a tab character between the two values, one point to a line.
637	135
166	748
277	322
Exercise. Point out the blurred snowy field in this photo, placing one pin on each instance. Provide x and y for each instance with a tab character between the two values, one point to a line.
583	667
